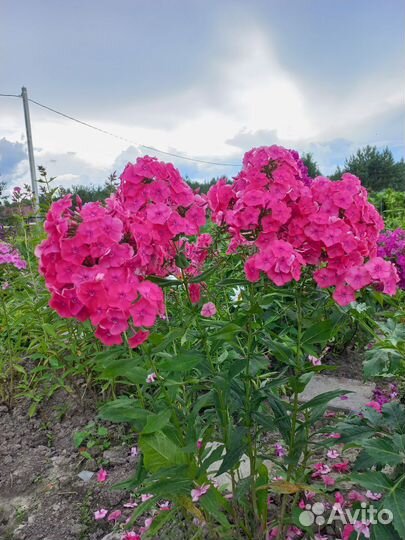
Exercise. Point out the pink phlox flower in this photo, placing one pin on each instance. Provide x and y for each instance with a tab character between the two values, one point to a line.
362	527
280	451
102	475
115	516
100	514
198	492
208	310
314	360
373	496
333	454
151	378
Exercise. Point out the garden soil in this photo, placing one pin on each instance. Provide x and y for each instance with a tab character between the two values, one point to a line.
41	495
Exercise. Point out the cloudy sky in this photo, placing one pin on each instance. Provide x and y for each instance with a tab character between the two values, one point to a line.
205	79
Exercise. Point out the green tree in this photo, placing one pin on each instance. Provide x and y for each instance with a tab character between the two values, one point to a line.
311	164
377	169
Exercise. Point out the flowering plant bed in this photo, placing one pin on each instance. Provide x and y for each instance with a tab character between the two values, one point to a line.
216	312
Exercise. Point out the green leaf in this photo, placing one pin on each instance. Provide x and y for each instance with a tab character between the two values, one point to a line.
124	409
233	454
160	452
262	494
281	352
159	521
281	417
184	361
181	260
323	399
319	333
394	501
156	422
114	368
212	503
383	451
372	480
394	416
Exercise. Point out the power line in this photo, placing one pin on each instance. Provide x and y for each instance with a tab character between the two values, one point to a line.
9	95
152	148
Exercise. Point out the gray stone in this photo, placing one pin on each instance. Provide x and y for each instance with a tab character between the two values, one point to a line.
86	476
112	536
116	456
361	392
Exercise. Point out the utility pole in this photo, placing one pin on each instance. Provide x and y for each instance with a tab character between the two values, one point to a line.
34	183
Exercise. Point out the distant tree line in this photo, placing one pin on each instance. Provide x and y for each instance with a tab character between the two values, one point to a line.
376	168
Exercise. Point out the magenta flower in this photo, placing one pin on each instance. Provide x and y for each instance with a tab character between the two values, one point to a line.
280	451
151	378
373	496
362	527
115	516
375	405
5	285
197	493
131	536
208	310
199	444
333	454
134	451
146	496
314	360
102	475
100	514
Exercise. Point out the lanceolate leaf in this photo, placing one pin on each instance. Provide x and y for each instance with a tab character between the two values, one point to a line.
159	452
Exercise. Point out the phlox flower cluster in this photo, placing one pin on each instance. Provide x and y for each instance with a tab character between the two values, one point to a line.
10	255
391	245
289	223
156	207
97	257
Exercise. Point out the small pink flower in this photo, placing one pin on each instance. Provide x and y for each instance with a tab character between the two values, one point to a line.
362	527
115	516
102	475
301	504
148	523
344	398
131	536
339	498
130	504
333	454
280	451
165	505
330	414
5	285
328	480
199	444
321	468
100	514
374	405
314	360
208	310
347	531
151	378
373	496
334	436
199	492
146	496
134	451
356	496
342	467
